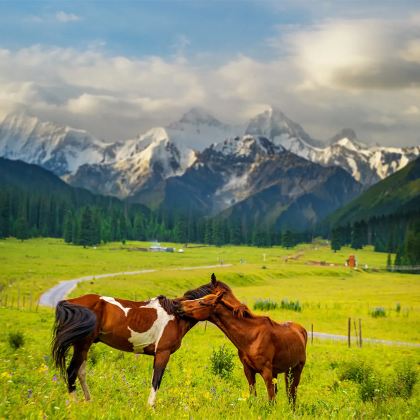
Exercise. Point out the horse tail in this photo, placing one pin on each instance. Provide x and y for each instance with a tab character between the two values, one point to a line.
73	323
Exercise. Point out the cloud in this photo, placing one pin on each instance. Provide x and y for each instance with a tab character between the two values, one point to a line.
358	54
358	73
66	17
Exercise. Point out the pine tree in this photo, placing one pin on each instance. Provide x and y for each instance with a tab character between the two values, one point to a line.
358	234
388	262
87	228
4	214
218	232
180	230
412	244
335	240
235	233
208	232
21	228
138	227
68	227
287	239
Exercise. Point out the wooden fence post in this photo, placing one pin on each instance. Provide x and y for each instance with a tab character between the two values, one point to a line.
349	332
360	332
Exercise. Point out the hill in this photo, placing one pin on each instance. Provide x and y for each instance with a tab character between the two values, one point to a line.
396	195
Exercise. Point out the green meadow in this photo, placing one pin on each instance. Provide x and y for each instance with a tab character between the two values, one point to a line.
328	292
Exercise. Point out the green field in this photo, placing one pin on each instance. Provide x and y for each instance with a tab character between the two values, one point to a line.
120	383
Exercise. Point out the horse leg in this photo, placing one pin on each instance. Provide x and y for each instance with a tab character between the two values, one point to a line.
77	368
159	365
275	383
267	375
295	376
81	374
250	376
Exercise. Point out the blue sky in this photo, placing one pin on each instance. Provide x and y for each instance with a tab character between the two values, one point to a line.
146	27
135	64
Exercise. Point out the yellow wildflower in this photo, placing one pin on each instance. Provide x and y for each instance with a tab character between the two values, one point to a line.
43	368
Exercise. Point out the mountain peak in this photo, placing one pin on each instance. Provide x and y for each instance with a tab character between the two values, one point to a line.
347	138
273	123
247	146
199	116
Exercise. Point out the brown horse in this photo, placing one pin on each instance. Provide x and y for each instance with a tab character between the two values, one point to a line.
151	327
264	346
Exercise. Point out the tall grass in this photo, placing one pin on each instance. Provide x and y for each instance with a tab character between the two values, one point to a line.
270	305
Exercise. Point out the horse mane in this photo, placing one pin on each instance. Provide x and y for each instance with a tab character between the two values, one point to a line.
242	311
206	289
171	306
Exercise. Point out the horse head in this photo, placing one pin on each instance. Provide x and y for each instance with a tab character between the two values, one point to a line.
200	303
199	309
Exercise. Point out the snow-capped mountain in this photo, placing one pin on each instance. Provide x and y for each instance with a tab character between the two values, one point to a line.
252	179
59	149
197	129
137	167
367	164
135	164
274	125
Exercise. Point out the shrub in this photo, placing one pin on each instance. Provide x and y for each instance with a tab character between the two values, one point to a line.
398	308
405	380
221	362
372	388
356	371
292	306
16	339
265	305
378	312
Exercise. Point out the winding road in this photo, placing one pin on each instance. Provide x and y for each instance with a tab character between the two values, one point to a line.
52	296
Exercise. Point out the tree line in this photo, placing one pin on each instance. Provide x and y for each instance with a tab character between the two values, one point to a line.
24	215
397	234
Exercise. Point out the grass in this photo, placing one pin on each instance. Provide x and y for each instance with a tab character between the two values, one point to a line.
120	382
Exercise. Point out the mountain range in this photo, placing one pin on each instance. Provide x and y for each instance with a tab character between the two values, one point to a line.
270	172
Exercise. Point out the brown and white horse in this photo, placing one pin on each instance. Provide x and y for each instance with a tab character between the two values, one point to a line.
264	346
151	327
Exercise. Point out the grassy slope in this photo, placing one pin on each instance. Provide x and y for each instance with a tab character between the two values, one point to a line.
120	382
398	193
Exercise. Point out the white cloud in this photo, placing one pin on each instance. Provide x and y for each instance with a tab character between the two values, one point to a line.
358	54
66	17
356	73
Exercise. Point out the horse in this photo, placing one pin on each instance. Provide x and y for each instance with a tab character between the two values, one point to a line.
151	327
264	346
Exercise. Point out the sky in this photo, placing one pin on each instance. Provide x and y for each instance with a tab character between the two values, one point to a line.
120	68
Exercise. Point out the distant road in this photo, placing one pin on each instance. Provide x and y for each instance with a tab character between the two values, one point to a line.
336	337
52	296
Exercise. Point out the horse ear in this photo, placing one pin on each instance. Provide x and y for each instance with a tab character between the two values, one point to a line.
213	280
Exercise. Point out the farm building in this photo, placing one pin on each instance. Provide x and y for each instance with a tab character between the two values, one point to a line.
156	247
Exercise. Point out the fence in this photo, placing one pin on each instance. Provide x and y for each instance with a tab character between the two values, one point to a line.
19	301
